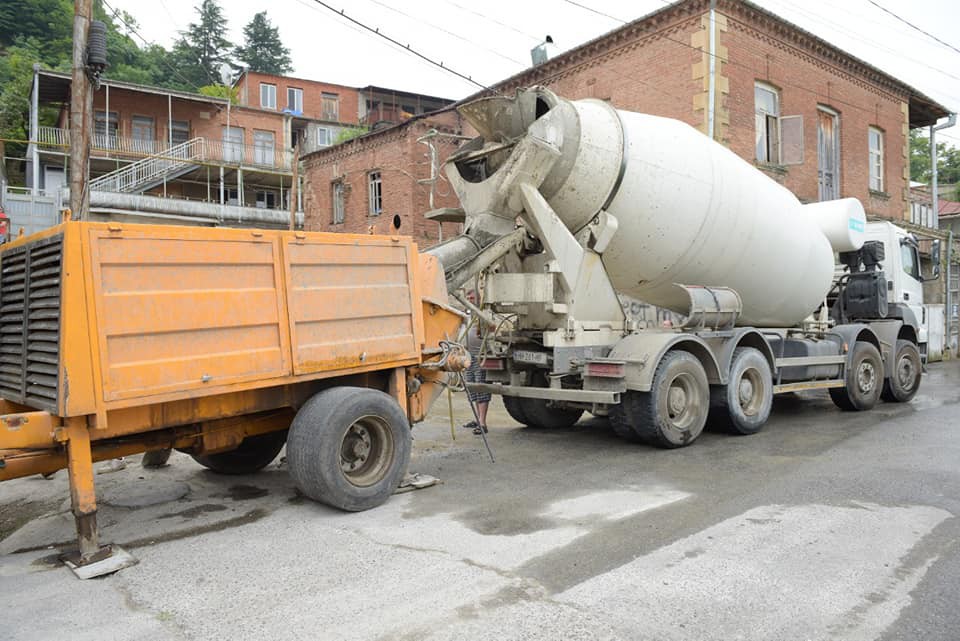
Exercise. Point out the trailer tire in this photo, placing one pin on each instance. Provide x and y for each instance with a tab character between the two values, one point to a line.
539	413
742	406
673	413
863	380
903	385
252	455
514	408
349	448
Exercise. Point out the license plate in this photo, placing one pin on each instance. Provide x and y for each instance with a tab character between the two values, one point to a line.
531	358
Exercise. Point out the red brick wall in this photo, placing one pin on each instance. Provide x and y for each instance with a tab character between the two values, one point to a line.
249	94
401	161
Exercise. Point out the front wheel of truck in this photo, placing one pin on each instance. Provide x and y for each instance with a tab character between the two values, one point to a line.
349	448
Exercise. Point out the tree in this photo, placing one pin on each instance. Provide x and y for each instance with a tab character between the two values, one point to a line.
948	160
219	91
262	48
203	47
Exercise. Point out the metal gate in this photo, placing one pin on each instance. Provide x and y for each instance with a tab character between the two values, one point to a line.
28	212
953	313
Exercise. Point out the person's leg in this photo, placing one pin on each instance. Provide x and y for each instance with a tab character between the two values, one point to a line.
482	412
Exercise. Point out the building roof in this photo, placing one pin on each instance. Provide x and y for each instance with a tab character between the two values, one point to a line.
948	207
397	92
54	87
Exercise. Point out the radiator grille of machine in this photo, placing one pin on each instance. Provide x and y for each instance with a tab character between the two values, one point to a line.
30	279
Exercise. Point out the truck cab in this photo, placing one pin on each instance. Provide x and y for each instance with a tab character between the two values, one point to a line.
901	267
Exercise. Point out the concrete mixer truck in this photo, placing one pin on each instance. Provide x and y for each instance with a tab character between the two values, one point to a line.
568	203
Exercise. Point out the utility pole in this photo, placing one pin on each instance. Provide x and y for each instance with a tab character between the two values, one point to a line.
81	112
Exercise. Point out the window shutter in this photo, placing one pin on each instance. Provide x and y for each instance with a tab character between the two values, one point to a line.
791	135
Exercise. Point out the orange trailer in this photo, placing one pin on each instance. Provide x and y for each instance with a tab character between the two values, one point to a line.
223	343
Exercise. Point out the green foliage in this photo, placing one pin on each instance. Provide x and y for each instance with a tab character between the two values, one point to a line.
203	47
219	91
262	48
948	160
349	134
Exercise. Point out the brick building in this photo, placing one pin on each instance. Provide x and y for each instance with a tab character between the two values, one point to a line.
820	121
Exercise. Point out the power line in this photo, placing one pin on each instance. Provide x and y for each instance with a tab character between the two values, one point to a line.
446	31
913	26
494	21
116	14
407	47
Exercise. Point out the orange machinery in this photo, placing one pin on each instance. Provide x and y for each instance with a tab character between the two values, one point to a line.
223	343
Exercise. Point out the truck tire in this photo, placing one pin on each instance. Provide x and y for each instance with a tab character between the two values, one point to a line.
514	408
539	413
155	459
252	455
742	406
905	381
673	413
349	448
864	380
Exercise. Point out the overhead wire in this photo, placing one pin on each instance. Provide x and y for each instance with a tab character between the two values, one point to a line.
913	26
493	20
407	47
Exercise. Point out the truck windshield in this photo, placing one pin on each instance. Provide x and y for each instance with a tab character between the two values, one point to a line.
909	258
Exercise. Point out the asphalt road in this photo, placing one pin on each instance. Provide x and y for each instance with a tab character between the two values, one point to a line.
826	525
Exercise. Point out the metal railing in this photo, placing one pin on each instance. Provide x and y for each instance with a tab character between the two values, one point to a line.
262	156
147	172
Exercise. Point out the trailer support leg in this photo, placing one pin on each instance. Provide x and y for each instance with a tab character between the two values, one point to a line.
90	560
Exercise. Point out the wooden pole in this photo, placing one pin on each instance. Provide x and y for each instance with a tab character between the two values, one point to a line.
294	190
81	112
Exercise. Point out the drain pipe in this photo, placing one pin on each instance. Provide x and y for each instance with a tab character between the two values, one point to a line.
951	121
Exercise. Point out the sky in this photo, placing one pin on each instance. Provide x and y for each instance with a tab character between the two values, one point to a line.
491	40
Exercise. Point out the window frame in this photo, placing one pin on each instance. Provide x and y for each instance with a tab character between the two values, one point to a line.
911	250
762	130
329	140
374	193
299	94
267	196
182	126
264	154
233	148
338	202
267	85
876	182
325	97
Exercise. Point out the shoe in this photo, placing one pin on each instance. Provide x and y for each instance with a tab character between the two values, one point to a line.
472	425
477	431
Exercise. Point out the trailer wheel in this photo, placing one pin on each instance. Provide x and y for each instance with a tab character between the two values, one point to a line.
742	406
864	380
349	447
515	409
539	413
905	380
252	455
672	414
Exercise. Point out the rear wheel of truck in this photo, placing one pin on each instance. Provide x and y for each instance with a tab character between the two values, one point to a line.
864	380
905	379
742	406
349	447
514	408
540	413
252	455
673	413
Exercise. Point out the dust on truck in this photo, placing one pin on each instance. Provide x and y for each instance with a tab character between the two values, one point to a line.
568	203
222	343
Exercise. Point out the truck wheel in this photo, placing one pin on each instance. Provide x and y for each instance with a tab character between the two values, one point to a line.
864	378
252	455
514	408
349	447
905	380
742	406
540	413
672	414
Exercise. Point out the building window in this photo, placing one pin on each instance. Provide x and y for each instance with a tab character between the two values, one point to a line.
337	202
323	137
329	106
105	130
233	197
374	194
266	200
179	131
268	96
910	260
233	144
263	148
767	110
143	135
295	99
876	159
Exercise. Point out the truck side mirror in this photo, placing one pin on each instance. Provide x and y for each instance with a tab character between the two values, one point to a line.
935	259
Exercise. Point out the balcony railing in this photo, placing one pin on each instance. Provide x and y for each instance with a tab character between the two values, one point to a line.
217	151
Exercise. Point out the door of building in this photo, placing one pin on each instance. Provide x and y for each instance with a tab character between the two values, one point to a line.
143	135
828	153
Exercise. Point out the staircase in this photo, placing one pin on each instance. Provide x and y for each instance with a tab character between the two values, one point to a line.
153	170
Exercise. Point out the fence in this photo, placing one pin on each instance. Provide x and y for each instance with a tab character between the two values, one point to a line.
28	212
